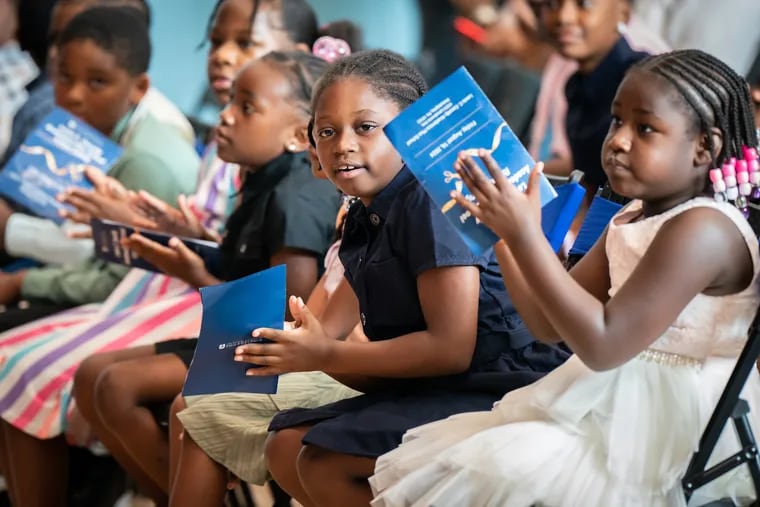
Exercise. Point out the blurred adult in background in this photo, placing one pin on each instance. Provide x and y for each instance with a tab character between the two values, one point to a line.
727	29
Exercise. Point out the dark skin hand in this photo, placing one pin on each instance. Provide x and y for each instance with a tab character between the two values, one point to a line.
698	251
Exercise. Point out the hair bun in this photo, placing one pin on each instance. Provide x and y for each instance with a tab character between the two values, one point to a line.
330	48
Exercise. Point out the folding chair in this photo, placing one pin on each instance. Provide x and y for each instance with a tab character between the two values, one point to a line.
730	406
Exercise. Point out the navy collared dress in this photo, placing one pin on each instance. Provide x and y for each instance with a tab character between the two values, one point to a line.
385	248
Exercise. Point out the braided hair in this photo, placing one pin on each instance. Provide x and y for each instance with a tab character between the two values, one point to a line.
715	96
390	75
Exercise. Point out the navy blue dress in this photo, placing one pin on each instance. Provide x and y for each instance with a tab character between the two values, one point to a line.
385	248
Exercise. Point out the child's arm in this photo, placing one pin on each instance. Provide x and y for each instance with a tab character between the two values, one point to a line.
301	272
698	251
449	301
590	272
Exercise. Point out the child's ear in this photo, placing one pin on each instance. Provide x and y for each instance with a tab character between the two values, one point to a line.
302	46
139	88
316	167
703	156
297	140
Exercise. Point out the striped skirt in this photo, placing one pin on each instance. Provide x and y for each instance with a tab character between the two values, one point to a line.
38	360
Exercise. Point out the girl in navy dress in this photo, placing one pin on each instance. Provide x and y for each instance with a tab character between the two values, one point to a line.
444	335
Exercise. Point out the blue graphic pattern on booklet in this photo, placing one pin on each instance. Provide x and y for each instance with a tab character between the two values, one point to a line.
455	116
53	158
231	311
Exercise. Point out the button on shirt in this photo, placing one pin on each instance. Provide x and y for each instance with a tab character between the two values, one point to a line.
589	98
402	234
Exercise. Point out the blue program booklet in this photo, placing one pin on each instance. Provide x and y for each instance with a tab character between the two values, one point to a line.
107	236
455	116
231	311
53	158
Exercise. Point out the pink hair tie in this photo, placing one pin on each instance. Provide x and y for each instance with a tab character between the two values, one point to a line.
330	48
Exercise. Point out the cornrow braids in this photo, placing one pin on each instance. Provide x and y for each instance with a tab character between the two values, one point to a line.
303	69
390	75
715	95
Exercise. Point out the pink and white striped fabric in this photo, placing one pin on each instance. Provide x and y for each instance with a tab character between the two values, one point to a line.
38	360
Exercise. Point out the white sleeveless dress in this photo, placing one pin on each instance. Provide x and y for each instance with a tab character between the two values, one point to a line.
580	438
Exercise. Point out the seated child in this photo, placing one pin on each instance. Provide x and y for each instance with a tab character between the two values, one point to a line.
155	158
284	216
591	35
656	314
443	336
113	45
40	239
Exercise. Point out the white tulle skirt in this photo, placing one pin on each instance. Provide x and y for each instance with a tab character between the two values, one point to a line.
581	438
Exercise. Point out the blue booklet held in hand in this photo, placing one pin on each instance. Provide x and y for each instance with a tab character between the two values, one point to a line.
231	311
53	158
455	116
107	236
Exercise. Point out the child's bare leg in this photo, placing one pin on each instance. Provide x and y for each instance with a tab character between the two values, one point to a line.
175	438
331	478
200	480
5	466
85	381
121	394
39	468
282	450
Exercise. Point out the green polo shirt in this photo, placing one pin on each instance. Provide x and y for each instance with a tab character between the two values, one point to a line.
157	159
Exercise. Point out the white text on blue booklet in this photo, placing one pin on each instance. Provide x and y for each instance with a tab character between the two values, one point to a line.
231	311
455	116
53	158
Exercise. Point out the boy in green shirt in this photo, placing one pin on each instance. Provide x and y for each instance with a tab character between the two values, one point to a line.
103	57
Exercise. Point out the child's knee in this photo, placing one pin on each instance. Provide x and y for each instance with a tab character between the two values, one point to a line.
311	460
86	376
281	449
114	393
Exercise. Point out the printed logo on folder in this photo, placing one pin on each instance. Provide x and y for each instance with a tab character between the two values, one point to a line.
455	116
52	159
231	311
107	236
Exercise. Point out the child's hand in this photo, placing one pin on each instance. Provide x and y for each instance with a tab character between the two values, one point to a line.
176	260
500	205
304	348
108	200
158	215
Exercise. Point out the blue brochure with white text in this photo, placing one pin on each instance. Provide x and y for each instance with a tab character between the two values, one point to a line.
53	158
231	311
456	116
107	236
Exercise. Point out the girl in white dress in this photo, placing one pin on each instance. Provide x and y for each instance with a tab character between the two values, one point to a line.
656	314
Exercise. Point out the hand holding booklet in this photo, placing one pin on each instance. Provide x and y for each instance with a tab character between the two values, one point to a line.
53	158
457	116
107	236
231	311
